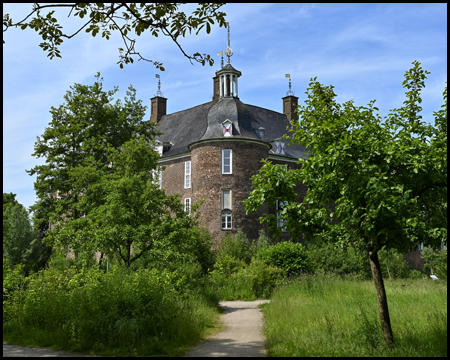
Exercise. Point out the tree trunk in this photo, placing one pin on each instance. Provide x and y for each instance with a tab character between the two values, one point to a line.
382	300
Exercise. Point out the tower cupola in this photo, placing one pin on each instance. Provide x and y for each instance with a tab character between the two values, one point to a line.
226	79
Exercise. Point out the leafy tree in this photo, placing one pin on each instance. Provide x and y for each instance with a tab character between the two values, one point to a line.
125	18
22	244
9	199
387	178
129	213
80	134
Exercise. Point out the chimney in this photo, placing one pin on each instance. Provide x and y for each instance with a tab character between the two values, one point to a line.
216	89
158	108
290	104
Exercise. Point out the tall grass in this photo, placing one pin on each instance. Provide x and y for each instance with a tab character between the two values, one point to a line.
331	316
140	313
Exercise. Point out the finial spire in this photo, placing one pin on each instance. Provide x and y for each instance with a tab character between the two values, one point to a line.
228	51
289	92
221	61
159	93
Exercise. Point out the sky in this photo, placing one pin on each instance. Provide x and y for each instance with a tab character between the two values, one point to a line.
363	50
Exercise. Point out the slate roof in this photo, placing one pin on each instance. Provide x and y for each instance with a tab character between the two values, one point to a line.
204	122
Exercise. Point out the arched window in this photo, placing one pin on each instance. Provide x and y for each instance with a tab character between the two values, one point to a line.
226	219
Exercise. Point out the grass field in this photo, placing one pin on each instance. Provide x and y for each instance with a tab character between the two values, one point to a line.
330	316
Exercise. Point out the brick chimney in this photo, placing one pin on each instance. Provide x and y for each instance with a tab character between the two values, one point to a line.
158	108
290	104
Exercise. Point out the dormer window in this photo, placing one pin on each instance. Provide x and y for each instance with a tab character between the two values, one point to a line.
280	147
159	148
227	126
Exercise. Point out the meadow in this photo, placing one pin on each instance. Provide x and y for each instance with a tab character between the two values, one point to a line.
328	315
323	302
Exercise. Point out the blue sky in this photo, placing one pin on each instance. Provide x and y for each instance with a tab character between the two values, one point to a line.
361	49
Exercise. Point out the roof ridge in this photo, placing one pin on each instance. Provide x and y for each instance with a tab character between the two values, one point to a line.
256	106
176	112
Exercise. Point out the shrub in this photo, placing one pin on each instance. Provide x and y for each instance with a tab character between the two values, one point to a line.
236	247
328	258
291	257
249	282
436	261
263	277
144	312
393	265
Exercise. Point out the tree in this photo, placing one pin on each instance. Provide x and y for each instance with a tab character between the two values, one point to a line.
21	244
129	213
372	183
80	134
9	199
124	18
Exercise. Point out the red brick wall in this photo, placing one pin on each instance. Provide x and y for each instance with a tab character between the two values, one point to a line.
207	182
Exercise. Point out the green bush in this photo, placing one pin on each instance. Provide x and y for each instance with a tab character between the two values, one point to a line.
393	265
328	258
250	282
436	262
143	312
236	247
291	257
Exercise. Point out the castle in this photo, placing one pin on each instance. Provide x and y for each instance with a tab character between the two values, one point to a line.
211	151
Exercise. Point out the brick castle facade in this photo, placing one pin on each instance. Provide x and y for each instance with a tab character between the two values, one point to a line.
211	151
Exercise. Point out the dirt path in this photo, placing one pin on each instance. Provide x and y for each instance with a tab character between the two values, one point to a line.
23	351
242	335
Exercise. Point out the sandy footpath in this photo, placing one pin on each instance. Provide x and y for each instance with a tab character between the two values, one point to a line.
23	351
242	336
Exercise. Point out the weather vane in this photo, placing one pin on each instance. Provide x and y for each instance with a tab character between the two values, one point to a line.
289	92
158	93
221	62
228	51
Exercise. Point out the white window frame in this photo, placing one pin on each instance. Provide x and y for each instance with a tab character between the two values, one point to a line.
187	174
281	222
227	125
279	147
226	214
421	246
226	219
223	161
158	172
187	205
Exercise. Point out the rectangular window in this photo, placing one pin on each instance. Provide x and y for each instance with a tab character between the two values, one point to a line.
157	176
280	220
227	161
443	246
421	246
187	205
187	174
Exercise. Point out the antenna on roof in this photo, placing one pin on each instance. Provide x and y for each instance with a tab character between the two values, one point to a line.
289	92
158	93
228	51
221	62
